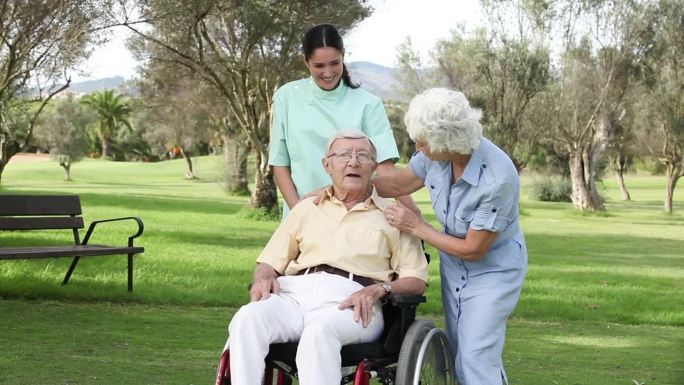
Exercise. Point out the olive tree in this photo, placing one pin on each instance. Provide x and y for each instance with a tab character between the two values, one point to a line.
64	131
245	49
39	41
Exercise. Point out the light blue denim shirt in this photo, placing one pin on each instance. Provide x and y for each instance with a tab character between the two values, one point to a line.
478	296
486	197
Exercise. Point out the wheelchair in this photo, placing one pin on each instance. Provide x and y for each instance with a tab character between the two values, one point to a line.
410	351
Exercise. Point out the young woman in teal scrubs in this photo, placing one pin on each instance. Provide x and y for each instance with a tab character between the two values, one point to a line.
307	112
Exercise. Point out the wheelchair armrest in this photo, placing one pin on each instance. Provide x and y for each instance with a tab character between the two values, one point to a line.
403	300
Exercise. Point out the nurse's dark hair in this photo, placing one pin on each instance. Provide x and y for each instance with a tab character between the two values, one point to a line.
325	35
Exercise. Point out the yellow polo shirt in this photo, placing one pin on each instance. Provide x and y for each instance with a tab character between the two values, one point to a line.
359	241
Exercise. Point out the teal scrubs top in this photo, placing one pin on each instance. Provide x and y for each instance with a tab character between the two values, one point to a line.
305	117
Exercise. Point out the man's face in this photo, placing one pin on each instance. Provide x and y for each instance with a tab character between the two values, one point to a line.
350	163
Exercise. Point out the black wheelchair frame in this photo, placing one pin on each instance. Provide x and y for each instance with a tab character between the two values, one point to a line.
410	351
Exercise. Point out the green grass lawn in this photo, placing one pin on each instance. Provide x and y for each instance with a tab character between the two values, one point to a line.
603	302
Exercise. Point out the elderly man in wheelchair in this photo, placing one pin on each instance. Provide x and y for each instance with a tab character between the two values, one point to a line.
320	283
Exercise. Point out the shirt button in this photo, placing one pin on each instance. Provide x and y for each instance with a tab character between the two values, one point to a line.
484	166
494	210
457	289
432	187
463	278
444	211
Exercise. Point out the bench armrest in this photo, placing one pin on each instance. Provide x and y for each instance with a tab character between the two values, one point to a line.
141	228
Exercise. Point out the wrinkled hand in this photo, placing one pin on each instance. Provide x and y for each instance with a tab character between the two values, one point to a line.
262	287
363	302
403	219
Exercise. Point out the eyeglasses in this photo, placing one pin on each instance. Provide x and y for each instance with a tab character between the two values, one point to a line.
345	156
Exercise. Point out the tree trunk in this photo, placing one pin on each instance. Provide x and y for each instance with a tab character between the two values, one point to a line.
105	147
620	166
584	194
67	170
235	153
8	148
673	173
190	173
265	193
619	174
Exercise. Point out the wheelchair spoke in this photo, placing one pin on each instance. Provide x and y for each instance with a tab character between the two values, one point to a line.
433	363
425	356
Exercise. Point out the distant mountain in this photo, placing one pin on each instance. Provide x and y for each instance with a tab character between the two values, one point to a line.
376	79
97	85
79	89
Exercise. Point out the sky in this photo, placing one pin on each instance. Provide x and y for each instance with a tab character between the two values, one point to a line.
375	39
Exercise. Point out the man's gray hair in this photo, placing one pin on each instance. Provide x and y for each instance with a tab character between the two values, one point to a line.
445	121
351	133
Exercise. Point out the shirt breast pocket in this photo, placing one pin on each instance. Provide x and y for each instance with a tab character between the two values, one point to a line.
363	243
462	220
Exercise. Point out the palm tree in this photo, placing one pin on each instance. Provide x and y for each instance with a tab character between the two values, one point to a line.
113	112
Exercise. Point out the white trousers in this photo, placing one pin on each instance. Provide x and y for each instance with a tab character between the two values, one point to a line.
306	310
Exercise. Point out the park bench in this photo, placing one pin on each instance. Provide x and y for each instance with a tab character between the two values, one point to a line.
54	212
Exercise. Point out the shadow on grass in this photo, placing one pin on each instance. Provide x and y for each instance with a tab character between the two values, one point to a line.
29	281
256	238
608	250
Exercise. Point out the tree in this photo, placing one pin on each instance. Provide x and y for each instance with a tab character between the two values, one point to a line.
411	74
171	93
39	40
64	131
245	50
499	70
113	113
600	40
501	75
176	111
395	113
664	79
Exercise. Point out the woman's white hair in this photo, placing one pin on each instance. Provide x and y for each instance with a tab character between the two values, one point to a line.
445	121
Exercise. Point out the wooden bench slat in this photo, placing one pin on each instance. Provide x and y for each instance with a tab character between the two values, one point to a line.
65	251
40	223
40	205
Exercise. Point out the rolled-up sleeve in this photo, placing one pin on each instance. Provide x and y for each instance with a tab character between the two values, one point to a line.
377	126
419	164
497	211
283	246
278	154
408	258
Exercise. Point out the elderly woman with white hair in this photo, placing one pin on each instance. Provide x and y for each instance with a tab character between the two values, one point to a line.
475	191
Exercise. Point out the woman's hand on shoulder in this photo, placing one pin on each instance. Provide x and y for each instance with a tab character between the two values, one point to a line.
319	194
404	219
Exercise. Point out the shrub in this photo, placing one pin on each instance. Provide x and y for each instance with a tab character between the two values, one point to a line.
551	189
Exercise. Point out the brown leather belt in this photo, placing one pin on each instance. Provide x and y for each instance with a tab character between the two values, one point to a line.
364	281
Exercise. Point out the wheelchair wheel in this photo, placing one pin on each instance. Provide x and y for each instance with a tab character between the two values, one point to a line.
425	357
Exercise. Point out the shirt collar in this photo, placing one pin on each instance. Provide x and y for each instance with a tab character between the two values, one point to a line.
321	93
472	172
374	200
